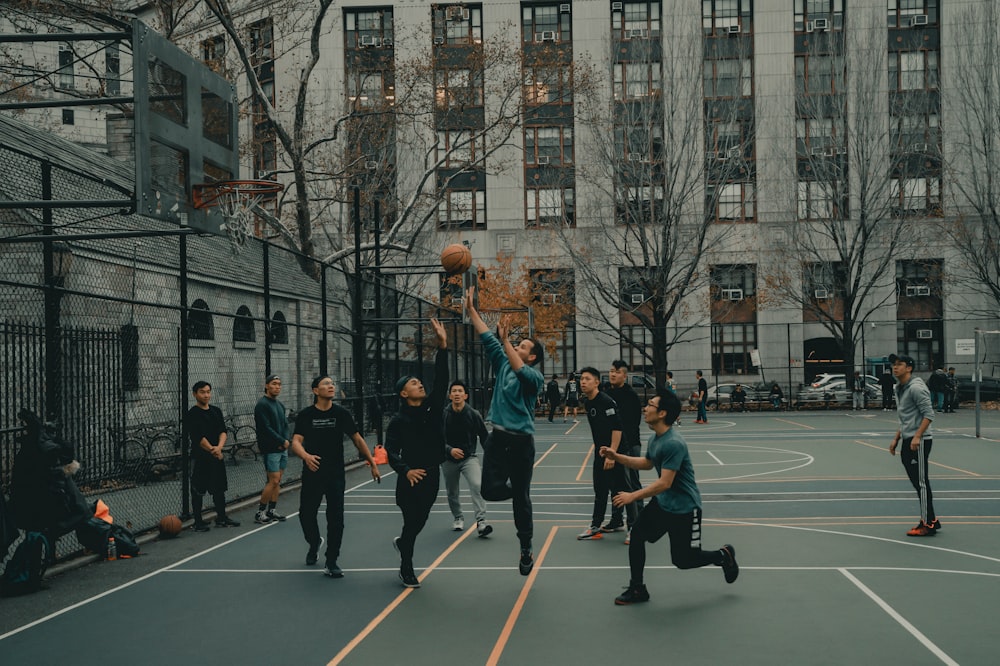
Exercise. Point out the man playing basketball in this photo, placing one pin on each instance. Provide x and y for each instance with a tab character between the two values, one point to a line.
676	509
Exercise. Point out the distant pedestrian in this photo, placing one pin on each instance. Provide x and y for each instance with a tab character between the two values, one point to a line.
951	392
553	395
415	441
888	385
605	431
938	384
857	391
464	430
702	393
571	398
318	440
273	440
206	428
915	413
676	507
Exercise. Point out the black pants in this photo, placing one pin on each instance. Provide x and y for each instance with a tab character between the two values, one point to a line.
314	488
553	406
606	481
887	399
632	484
208	476
685	540
508	463
915	463
415	502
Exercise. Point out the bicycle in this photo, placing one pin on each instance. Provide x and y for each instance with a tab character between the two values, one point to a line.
241	440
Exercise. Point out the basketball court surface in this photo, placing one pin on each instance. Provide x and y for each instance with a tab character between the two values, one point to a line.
814	504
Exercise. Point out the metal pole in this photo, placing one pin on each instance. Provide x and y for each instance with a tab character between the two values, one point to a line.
323	320
378	324
52	296
358	336
788	343
182	398
267	308
976	377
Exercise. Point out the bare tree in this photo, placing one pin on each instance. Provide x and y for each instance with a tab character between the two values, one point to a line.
666	156
855	215
973	160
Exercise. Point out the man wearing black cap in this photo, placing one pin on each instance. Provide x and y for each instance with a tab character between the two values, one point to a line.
273	441
415	444
915	412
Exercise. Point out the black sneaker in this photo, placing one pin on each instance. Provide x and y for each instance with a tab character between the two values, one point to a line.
633	594
526	563
409	578
612	526
274	515
312	555
261	518
227	522
333	571
730	569
200	526
484	530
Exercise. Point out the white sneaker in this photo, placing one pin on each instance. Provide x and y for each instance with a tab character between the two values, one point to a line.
458	525
484	529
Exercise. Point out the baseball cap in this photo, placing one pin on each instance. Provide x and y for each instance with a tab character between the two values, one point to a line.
905	358
401	383
271	378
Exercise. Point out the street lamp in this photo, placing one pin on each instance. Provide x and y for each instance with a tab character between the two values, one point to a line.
58	260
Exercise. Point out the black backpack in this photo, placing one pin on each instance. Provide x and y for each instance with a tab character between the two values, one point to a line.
24	570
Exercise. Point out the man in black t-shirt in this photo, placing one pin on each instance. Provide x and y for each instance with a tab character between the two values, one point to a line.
630	409
319	440
605	430
206	429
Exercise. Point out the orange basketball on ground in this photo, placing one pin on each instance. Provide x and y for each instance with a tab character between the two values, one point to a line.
456	258
170	526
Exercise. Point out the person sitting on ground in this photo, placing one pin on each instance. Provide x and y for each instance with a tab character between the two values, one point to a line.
738	398
776	396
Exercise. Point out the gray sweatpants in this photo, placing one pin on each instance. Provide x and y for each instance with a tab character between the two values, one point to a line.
473	473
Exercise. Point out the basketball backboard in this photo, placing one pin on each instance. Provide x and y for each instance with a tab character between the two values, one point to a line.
186	131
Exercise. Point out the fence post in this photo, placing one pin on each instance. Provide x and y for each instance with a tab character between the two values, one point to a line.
183	379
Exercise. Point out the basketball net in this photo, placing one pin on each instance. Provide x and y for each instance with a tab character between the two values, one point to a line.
236	200
491	318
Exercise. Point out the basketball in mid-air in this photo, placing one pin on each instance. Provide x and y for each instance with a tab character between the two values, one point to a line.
456	258
170	526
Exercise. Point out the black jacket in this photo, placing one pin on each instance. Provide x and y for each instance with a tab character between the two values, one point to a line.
470	427
415	436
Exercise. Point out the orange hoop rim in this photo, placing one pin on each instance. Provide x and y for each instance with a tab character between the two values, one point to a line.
207	195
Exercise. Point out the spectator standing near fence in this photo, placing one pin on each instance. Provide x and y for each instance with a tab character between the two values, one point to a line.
318	440
273	440
464	430
675	509
206	427
415	443
509	459
915	413
702	394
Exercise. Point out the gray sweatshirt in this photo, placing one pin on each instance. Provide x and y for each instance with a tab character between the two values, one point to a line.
913	405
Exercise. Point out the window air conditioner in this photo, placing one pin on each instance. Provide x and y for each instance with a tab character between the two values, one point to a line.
368	304
734	153
564	9
821	294
616	6
733	30
439	40
547	36
821	24
368	40
920	147
918	290
635	33
817	150
387	41
371	165
732	294
919	19
549	299
637	299
542	159
465	14
924	334
809	26
635	157
457	13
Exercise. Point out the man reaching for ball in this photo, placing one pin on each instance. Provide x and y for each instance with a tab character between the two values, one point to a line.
509	456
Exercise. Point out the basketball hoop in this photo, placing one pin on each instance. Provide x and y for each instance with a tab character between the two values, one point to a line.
491	318
236	200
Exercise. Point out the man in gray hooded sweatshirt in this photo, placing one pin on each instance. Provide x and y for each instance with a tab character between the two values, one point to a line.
915	412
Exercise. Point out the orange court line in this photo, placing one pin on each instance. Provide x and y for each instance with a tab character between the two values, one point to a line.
551	448
795	423
377	620
519	604
586	460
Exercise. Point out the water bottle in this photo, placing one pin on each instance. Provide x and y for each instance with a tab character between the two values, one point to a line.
112	549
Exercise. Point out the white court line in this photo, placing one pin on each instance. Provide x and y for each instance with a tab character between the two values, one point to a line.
891	612
165	569
722	463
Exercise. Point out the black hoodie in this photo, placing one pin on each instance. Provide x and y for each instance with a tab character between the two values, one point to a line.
415	436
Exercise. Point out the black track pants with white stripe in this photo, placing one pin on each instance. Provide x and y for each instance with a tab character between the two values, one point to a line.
915	463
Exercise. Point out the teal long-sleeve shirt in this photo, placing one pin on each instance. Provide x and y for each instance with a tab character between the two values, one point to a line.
514	393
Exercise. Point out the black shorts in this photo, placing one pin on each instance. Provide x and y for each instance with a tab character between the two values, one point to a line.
572	402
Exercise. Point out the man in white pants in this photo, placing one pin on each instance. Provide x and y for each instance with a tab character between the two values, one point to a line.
464	428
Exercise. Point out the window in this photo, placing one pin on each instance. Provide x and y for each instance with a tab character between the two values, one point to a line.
641	141
913	70
912	13
636	79
112	69
262	42
457	88
550	206
820	136
243	329
279	329
548	145
916	134
822	200
808	11
370	89
542	23
820	74
916	195
368	28
723	136
457	24
731	347
728	78
265	146
200	325
459	148
213	53
718	16
636	19
919	278
732	280
68	117
548	85
462	209
731	201
639	205
824	281
67	80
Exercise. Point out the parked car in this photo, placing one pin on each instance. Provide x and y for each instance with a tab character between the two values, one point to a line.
836	391
827	377
989	389
721	394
